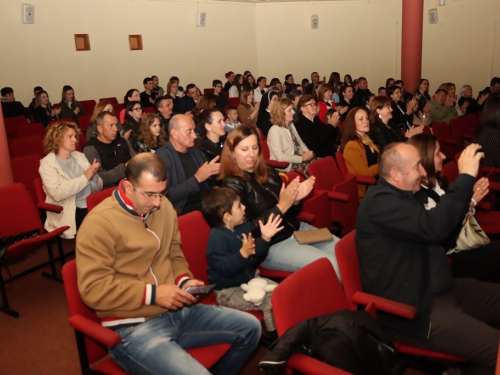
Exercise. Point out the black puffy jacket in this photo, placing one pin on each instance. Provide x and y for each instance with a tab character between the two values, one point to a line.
261	200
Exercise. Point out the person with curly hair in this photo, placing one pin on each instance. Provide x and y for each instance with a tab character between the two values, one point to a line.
152	134
68	178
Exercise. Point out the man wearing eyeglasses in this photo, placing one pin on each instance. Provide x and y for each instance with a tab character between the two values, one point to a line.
188	173
109	149
132	271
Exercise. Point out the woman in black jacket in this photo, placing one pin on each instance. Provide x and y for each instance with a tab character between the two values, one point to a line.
211	124
260	189
264	116
402	115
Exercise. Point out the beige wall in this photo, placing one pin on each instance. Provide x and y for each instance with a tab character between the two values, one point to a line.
44	53
356	37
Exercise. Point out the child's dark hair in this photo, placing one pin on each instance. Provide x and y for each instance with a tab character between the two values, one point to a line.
230	108
216	202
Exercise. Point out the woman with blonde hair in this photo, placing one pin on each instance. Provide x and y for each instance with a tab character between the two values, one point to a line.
283	140
360	153
247	110
451	89
152	134
68	178
44	112
172	90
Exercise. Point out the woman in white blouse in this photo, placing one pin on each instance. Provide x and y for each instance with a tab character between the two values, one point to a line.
283	140
68	178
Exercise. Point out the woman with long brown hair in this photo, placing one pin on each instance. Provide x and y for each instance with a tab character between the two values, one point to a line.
247	110
262	193
152	134
360	153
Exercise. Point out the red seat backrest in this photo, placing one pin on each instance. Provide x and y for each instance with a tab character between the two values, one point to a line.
327	173
95	198
347	258
25	171
195	232
312	291
441	130
23	131
112	100
450	171
27	146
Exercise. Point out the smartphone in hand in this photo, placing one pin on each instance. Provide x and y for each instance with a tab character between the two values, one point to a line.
201	291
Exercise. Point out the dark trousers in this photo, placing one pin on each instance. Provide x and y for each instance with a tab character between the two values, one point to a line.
480	264
79	216
462	323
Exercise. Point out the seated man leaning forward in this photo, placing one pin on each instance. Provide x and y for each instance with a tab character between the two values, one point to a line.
400	259
189	176
132	271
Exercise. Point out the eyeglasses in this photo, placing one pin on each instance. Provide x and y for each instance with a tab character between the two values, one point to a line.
310	104
149	195
137	109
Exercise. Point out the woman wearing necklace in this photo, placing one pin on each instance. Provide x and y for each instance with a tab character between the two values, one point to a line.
211	123
382	130
360	153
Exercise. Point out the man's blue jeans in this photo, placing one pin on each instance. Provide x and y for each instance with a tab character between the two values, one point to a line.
158	346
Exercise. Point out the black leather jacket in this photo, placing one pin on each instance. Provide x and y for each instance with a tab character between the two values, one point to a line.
210	149
260	202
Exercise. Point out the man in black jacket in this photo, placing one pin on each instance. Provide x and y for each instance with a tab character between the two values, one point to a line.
362	94
400	259
10	107
188	102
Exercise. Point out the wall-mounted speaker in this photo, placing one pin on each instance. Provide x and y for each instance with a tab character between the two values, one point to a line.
28	13
201	19
314	21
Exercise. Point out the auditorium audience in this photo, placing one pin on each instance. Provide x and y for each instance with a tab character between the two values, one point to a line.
235	89
230	81
131	95
362	93
360	153
247	110
264	116
36	90
318	136
158	90
488	132
148	96
173	91
346	95
250	82
450	88
325	101
232	119
405	95
493	89
314	82
283	140
422	93
102	106
11	107
164	107
474	106
133	122
482	263
44	112
211	124
260	90
221	98
189	176
152	134
206	101
70	108
260	189
442	108
402	112
109	149
68	178
188	102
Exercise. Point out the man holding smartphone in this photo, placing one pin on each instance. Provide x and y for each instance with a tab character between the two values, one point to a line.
132	271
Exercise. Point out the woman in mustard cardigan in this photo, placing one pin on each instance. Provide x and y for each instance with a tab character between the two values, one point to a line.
360	154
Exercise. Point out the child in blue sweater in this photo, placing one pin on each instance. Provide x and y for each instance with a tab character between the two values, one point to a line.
232	254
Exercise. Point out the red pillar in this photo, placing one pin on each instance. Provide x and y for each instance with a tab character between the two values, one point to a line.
411	43
5	168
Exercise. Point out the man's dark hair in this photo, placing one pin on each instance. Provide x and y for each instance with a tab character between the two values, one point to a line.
231	108
361	78
305	80
100	117
443	90
6	91
158	101
288	76
216	202
145	162
174	78
494	81
153	77
146	80
260	79
190	86
37	88
382	88
399	82
293	94
216	82
390	90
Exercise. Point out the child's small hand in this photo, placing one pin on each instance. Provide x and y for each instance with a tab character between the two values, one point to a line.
248	247
271	228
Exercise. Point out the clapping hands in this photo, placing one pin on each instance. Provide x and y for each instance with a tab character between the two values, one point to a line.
271	228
